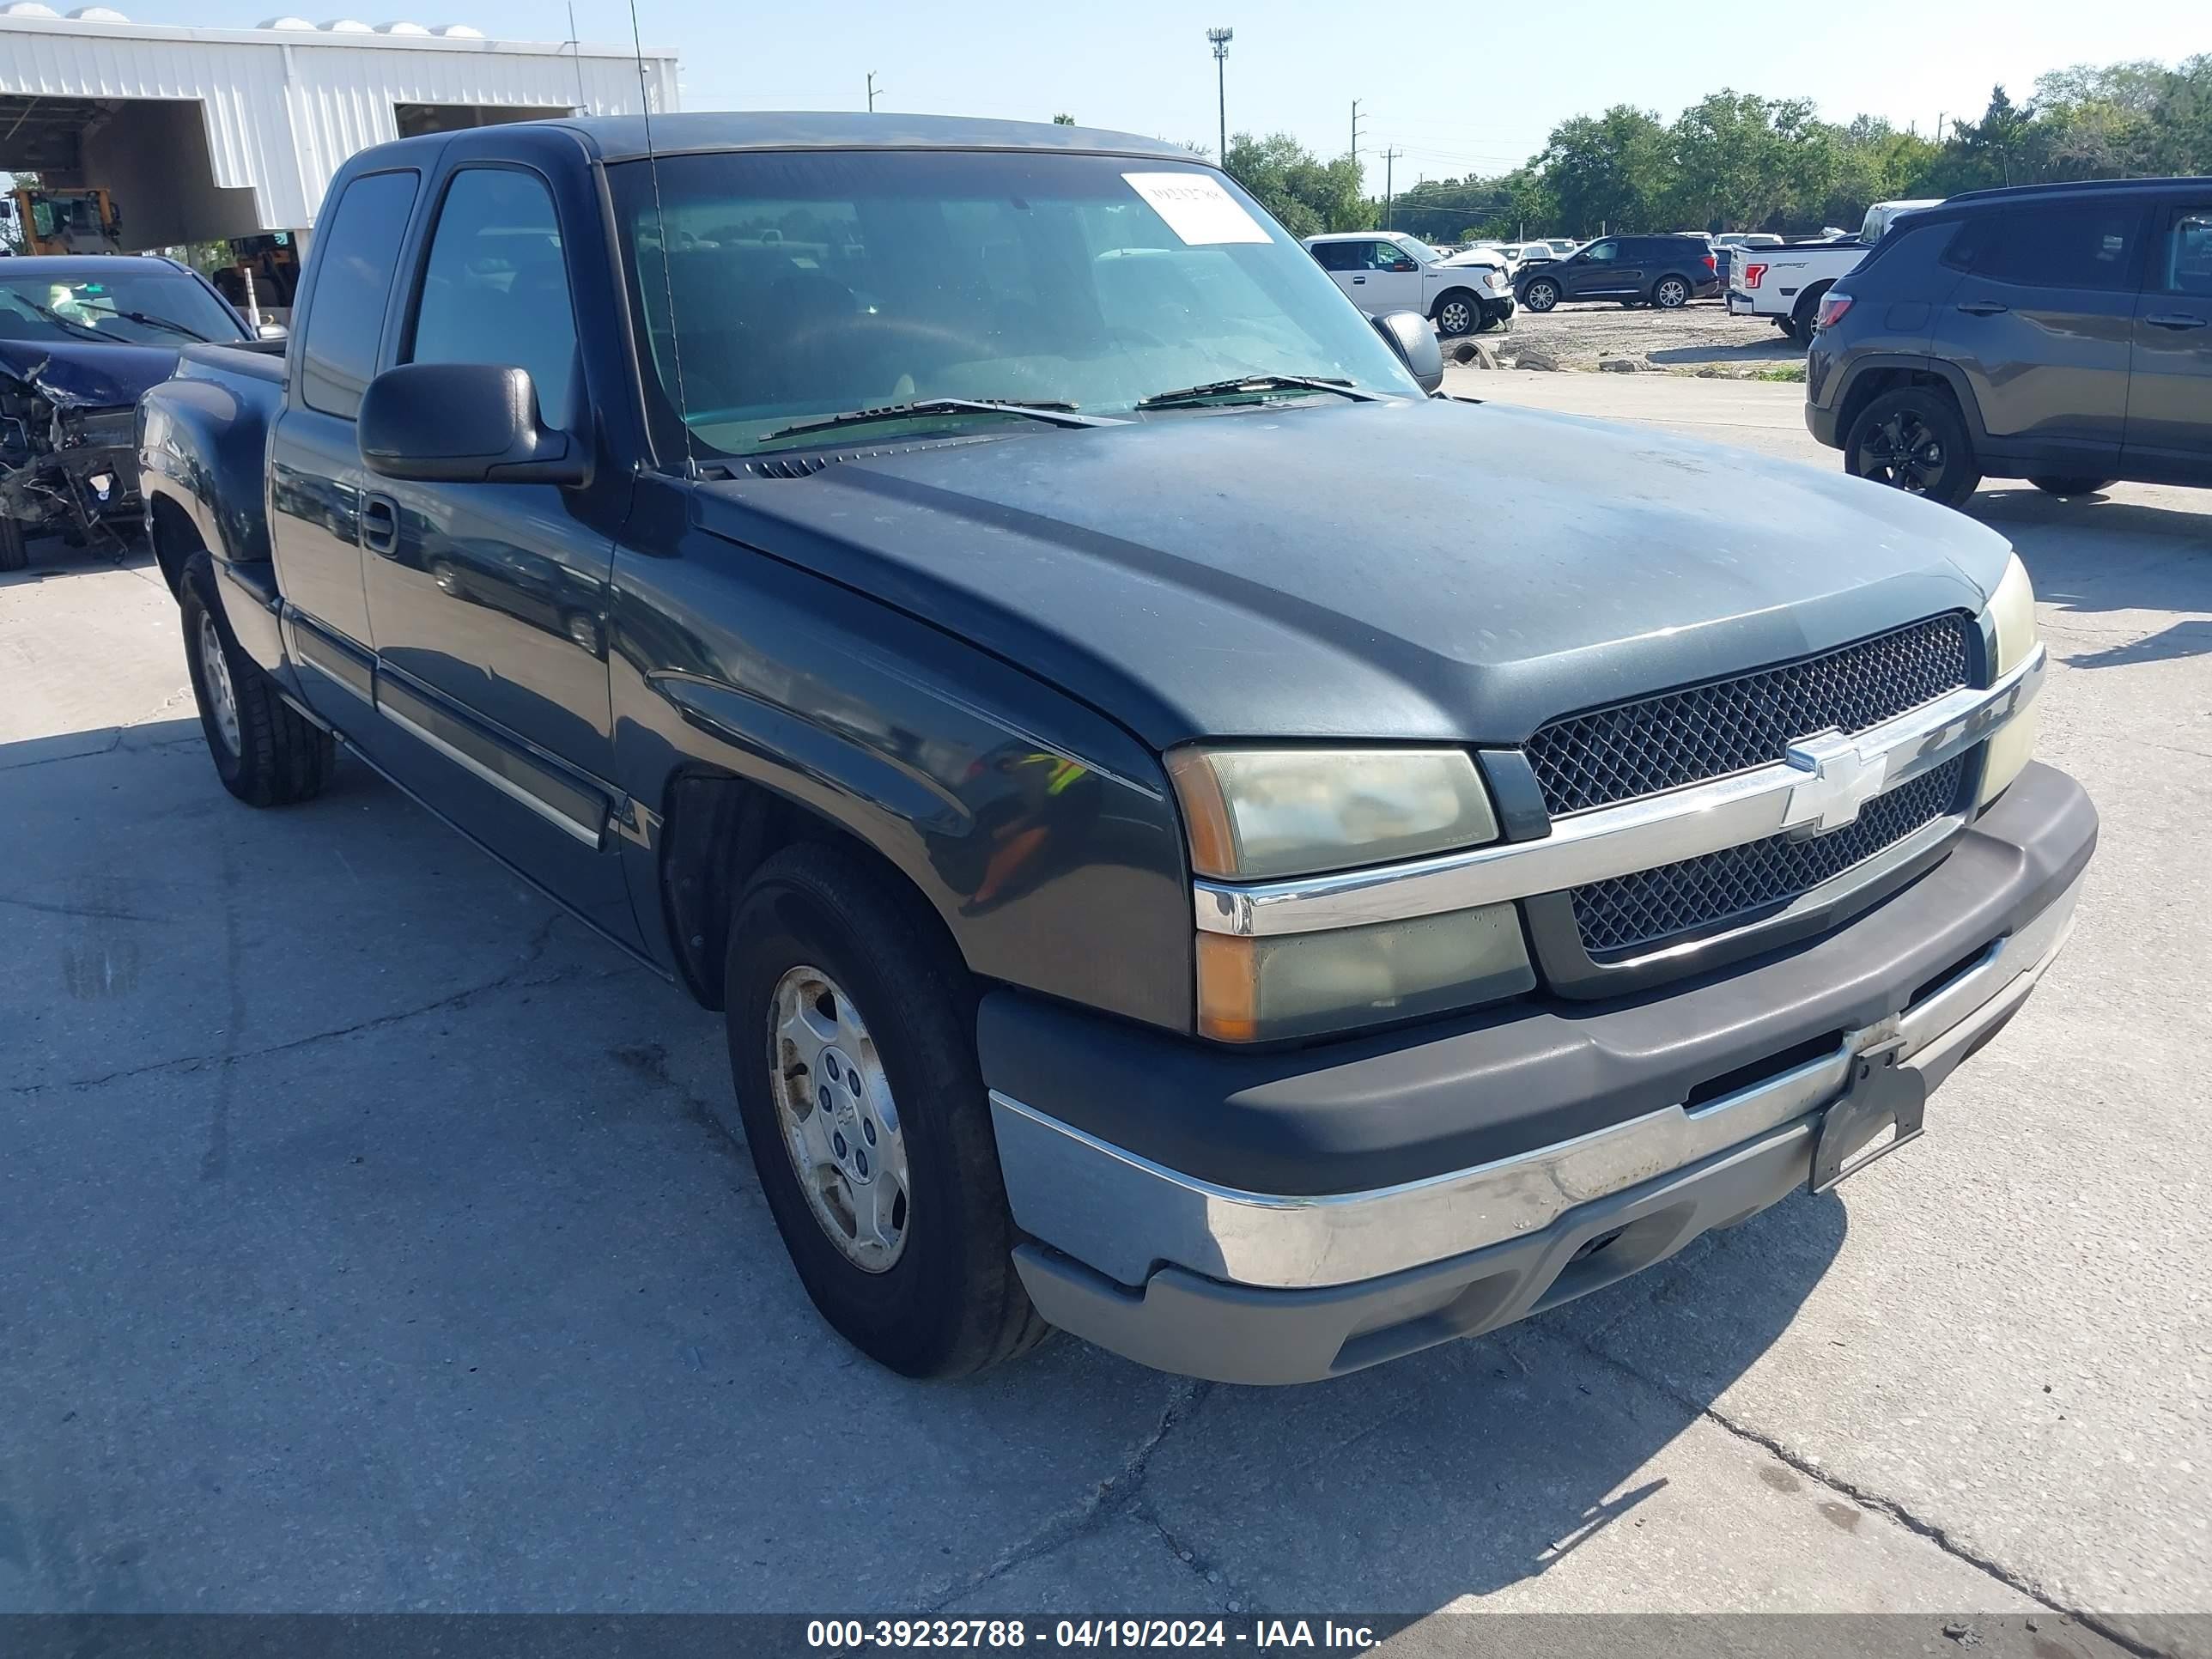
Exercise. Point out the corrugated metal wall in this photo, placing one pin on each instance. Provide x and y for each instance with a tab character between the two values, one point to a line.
284	108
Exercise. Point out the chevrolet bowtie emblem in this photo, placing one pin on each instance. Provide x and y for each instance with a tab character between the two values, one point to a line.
1841	780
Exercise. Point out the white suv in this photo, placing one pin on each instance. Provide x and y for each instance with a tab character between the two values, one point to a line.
1386	270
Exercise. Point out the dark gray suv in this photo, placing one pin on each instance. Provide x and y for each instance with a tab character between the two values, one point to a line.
1667	271
2059	333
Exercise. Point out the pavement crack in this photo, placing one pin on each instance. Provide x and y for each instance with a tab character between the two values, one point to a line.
514	979
81	912
1115	1495
1933	1532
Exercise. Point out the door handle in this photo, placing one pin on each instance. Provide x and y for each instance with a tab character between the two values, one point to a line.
1983	308
1357	280
380	524
2175	319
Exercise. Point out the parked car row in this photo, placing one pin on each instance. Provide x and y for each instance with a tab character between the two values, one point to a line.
1480	287
1386	270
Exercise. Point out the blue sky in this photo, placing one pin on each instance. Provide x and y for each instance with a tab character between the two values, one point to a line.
1295	66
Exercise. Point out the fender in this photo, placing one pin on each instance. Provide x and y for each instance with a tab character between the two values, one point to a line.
1948	373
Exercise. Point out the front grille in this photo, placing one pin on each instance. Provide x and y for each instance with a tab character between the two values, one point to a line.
1678	738
1734	887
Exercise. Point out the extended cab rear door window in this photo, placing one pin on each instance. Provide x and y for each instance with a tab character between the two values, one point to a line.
495	286
353	283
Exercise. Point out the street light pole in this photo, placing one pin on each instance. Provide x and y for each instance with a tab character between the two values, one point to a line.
1220	40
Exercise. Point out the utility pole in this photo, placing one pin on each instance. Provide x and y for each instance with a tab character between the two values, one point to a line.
873	90
1220	40
1355	133
1388	156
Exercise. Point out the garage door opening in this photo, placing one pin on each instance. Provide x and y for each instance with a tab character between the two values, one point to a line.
415	120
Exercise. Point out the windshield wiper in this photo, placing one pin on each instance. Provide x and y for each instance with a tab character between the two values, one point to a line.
53	316
1055	414
1256	384
147	320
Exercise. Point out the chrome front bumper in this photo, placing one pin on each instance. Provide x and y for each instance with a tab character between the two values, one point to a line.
1168	1268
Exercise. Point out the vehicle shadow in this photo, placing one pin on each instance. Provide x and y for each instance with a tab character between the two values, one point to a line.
2096	553
1779	350
330	1059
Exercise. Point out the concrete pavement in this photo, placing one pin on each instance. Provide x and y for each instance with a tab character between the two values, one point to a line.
374	1238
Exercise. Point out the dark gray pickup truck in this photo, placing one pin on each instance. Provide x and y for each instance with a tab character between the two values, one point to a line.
964	599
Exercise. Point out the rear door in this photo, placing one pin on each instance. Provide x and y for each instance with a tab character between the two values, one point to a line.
1344	261
488	602
314	461
2042	322
2169	433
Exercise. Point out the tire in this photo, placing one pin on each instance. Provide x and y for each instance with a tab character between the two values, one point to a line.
1671	293
2072	486
1540	295
819	932
15	546
1806	313
266	753
1457	313
1913	439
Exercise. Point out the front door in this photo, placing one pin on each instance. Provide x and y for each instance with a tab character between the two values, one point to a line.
1387	278
2169	434
1601	270
2042	322
488	602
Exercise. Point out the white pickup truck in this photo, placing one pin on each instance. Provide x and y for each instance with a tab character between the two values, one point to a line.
1785	283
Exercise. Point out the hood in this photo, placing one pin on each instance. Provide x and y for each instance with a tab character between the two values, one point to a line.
86	373
1418	571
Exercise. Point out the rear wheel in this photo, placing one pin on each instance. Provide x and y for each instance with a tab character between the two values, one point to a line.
1670	293
1541	294
266	753
1799	327
1458	313
2071	485
1913	439
15	549
852	1028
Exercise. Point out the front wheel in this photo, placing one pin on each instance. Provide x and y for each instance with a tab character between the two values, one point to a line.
1913	439
1540	295
266	753
852	1032
2071	485
1458	313
1670	294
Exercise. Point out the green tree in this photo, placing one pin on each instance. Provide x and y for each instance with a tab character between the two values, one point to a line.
1606	171
1063	120
1309	194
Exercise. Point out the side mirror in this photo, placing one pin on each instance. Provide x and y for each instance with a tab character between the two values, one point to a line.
273	331
1404	264
463	423
1415	343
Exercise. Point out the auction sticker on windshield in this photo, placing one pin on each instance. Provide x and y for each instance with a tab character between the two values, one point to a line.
1196	207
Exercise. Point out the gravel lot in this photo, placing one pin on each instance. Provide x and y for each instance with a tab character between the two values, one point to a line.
1699	338
375	1239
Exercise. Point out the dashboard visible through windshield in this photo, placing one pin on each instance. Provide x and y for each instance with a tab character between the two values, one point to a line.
778	286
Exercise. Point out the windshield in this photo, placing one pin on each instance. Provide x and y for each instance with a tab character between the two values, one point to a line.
1419	249
811	284
154	306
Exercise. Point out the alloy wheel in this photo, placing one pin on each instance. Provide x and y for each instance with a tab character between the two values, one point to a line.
1903	453
840	1126
223	697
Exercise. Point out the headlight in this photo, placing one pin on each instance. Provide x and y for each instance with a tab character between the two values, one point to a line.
2012	615
1264	814
1257	814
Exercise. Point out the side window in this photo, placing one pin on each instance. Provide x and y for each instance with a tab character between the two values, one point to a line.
1382	256
1607	252
495	286
2088	244
354	265
2184	263
1336	256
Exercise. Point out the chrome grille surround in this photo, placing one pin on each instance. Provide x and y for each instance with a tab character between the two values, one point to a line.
1630	750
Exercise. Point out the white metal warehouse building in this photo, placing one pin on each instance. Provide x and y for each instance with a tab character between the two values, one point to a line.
204	134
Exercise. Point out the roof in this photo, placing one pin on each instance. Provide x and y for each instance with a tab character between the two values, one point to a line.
622	137
79	265
2082	187
1354	235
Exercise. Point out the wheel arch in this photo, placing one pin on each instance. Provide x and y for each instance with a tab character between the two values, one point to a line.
1870	379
